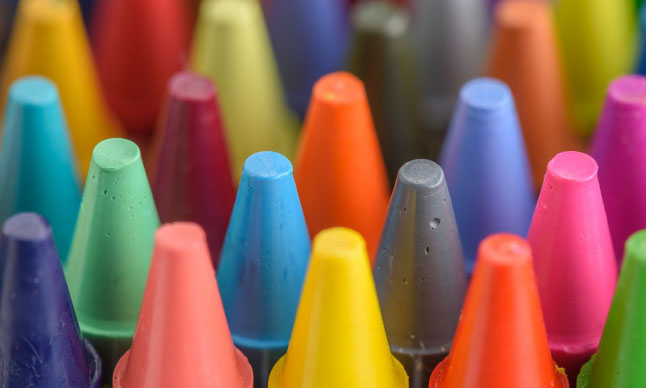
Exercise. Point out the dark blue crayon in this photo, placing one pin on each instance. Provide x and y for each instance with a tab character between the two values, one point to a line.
7	13
641	67
40	340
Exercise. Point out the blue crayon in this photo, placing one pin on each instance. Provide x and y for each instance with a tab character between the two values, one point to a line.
486	165
309	38
641	66
263	262
37	165
40	340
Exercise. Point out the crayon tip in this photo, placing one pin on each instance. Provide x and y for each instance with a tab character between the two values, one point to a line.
37	164
570	231
617	147
419	270
500	340
183	319
41	344
232	48
486	165
338	338
340	172
109	259
49	39
264	261
189	145
619	360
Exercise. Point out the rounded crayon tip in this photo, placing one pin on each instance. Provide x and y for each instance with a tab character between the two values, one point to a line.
339	88
628	91
381	18
421	172
572	166
188	87
115	154
339	244
504	250
267	165
179	239
26	227
517	15
485	95
34	91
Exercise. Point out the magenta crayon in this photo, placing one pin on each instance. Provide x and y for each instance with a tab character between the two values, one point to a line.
619	149
573	259
189	166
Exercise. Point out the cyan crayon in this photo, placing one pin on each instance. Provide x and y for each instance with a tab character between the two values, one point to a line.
486	165
40	341
309	38
263	262
37	164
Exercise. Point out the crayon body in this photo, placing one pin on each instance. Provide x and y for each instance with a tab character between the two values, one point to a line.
7	13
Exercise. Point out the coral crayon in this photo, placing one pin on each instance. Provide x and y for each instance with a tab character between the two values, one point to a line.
339	171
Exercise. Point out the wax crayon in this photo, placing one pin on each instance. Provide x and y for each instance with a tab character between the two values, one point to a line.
49	39
382	57
598	41
309	40
338	338
232	48
619	363
182	338
486	165
189	166
450	37
618	147
111	248
7	13
138	46
641	66
264	260
500	341
419	270
569	231
87	10
40	341
524	55
37	165
340	172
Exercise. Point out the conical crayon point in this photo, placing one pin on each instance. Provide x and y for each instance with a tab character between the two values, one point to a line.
137	50
340	172
619	363
569	231
37	165
618	149
110	255
419	270
500	340
486	165
182	317
232	48
524	54
264	261
309	40
188	147
382	56
49	39
41	344
338	338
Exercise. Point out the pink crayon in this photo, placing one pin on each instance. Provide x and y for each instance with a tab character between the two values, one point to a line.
574	260
619	147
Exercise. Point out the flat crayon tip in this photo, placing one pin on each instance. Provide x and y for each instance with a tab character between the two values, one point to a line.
340	88
380	18
27	227
517	15
33	91
485	96
628	91
339	244
572	166
115	154
190	88
424	173
267	165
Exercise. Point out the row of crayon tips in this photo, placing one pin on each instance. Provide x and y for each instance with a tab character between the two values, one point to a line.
142	305
265	56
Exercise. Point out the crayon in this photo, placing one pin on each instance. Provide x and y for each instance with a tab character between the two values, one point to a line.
339	171
182	338
232	48
37	165
524	55
7	14
598	42
338	338
382	56
49	39
450	37
40	341
419	270
618	147
486	165
264	260
138	46
110	255
619	361
641	66
570	232
500	341
189	166
87	11
309	39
